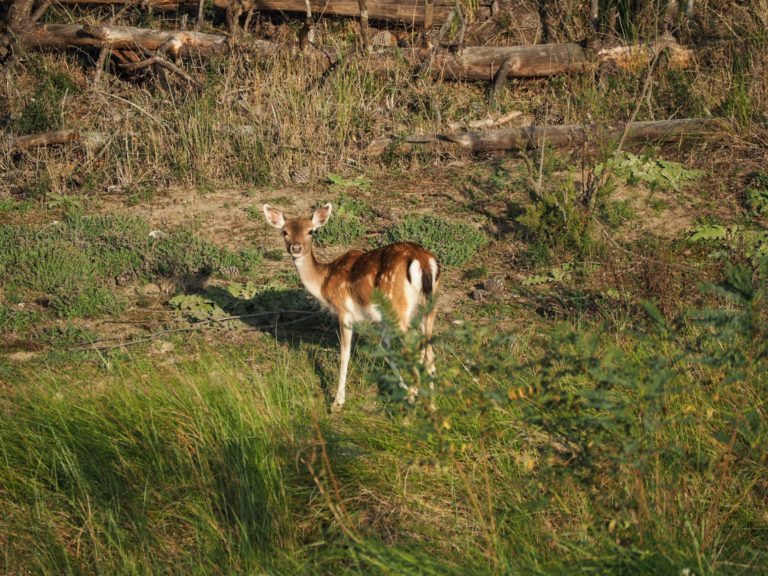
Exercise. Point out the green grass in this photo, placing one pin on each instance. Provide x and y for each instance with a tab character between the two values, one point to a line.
454	243
573	454
70	266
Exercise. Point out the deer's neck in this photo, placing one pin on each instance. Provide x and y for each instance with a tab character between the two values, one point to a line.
312	274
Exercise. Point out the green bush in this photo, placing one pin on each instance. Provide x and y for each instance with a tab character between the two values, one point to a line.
453	243
625	427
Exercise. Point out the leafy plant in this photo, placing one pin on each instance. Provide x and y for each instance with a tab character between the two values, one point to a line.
454	243
657	174
557	220
556	274
359	182
731	240
757	195
238	299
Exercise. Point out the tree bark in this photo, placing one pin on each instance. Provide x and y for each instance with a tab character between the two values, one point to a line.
20	16
567	135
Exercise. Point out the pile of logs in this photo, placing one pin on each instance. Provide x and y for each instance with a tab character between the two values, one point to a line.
163	50
136	48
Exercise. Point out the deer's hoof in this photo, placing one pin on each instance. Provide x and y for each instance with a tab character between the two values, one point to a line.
336	408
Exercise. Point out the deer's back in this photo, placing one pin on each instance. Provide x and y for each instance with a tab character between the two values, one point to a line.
356	274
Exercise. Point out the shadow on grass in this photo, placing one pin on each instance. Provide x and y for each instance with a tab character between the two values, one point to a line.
292	318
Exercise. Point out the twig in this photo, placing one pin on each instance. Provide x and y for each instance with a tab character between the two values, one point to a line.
160	61
101	63
541	157
501	76
363	5
429	10
591	190
200	10
40	11
307	32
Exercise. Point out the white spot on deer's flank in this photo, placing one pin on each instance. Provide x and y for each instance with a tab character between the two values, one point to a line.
414	275
434	268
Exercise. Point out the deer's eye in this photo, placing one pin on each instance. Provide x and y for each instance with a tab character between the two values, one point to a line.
285	233
311	232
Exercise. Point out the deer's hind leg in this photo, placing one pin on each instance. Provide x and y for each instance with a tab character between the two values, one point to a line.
428	353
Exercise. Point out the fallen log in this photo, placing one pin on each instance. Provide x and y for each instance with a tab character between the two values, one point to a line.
487	63
56	138
526	137
478	63
403	11
171	42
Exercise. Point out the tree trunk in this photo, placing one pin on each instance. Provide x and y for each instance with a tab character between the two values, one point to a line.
20	16
568	135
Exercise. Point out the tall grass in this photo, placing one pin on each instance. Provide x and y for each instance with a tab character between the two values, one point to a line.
139	471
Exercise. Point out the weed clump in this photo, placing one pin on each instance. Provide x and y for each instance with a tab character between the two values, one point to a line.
756	195
43	111
347	224
453	243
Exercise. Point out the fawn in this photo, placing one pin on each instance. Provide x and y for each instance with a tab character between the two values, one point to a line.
405	273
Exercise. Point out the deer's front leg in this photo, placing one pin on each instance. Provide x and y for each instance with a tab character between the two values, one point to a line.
345	332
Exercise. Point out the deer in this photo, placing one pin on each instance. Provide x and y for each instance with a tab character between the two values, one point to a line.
405	273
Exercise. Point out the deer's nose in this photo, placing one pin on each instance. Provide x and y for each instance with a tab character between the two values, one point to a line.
295	248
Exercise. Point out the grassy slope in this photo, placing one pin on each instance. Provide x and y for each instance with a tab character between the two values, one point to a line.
227	461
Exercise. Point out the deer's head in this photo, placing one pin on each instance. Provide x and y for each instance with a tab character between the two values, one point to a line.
297	232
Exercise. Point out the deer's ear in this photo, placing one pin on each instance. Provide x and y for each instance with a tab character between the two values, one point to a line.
274	216
321	216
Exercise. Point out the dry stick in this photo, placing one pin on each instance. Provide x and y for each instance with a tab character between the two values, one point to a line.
364	23
101	62
248	18
40	11
307	32
429	14
463	29
52	138
501	76
200	9
159	60
527	137
595	14
600	181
